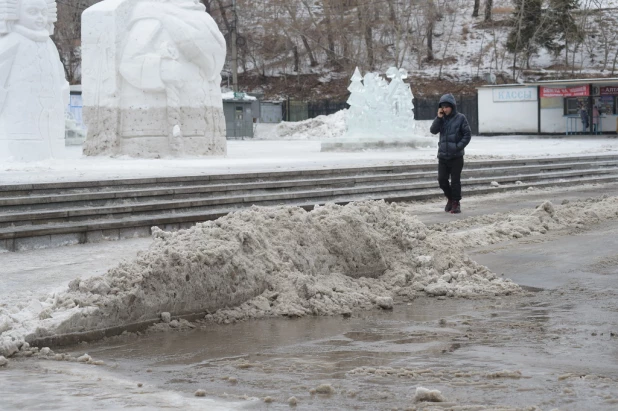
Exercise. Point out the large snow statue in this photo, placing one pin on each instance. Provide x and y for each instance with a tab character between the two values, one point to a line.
151	79
33	87
380	109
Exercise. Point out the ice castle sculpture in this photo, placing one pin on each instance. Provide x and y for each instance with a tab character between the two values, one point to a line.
379	108
381	114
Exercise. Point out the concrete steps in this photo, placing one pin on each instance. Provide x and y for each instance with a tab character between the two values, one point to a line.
53	214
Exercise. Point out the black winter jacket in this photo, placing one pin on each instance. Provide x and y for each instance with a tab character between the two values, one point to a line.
454	131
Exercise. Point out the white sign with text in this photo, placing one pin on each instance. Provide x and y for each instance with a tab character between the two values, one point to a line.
515	94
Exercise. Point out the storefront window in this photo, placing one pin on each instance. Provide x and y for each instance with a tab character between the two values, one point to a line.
606	99
607	105
572	104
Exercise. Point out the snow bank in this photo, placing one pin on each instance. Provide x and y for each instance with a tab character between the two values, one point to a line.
491	229
327	128
259	262
230	95
285	261
318	128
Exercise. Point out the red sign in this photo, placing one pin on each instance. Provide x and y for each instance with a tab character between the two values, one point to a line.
579	91
608	91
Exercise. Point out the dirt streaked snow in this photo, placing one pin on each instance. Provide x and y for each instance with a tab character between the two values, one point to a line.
262	262
285	261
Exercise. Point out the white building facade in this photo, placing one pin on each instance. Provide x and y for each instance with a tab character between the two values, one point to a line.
549	107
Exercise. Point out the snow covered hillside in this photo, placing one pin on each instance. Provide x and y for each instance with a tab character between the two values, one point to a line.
327	40
308	49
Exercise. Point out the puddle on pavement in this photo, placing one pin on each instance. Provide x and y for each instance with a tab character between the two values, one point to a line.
375	359
481	353
508	351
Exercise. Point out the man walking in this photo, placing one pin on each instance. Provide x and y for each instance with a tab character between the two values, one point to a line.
454	137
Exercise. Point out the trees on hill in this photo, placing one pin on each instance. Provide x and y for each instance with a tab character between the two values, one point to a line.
279	37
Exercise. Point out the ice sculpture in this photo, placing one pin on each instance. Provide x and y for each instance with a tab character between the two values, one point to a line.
381	114
379	108
33	88
151	79
74	134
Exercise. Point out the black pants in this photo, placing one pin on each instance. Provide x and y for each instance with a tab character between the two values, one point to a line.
451	168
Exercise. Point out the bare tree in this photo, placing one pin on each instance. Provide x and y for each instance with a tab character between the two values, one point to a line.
449	23
207	4
404	34
431	17
364	19
223	13
332	57
67	37
477	5
489	5
301	29
607	24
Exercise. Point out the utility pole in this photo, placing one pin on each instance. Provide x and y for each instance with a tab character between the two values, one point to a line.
234	48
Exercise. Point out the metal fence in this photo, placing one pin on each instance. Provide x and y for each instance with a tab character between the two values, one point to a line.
325	107
426	108
294	110
271	112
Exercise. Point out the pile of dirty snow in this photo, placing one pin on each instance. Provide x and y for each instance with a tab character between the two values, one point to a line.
281	261
491	229
285	261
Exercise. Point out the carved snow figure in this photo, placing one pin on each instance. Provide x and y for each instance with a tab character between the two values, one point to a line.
152	79
33	88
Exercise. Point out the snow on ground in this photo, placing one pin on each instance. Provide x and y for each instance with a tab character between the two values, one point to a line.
25	275
323	128
284	261
278	154
229	95
279	261
319	128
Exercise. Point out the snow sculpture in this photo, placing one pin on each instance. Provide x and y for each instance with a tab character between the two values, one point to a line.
33	88
151	79
378	108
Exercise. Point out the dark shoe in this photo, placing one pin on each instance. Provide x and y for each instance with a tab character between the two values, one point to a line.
456	208
449	205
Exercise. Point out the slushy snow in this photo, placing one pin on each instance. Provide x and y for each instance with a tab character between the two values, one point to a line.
285	261
281	261
423	394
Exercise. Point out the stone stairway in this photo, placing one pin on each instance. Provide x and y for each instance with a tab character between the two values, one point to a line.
56	214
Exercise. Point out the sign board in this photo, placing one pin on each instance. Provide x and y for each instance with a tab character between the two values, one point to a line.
239	95
515	94
608	91
579	91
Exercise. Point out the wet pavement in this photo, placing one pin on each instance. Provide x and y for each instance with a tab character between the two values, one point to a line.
554	347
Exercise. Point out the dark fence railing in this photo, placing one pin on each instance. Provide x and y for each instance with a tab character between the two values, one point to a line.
425	108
